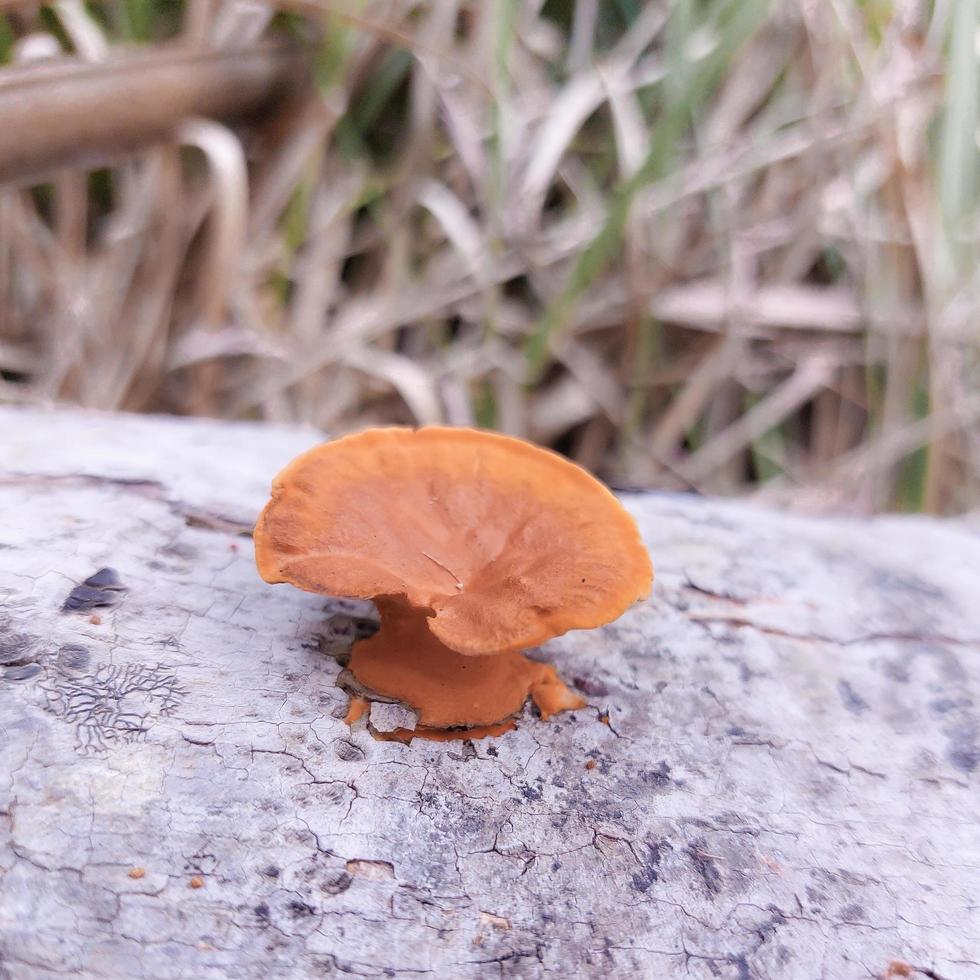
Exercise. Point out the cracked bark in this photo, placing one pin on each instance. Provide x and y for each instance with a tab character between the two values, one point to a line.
776	775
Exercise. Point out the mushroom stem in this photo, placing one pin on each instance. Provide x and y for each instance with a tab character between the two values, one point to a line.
404	660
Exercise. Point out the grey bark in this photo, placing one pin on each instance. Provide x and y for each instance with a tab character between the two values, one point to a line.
777	774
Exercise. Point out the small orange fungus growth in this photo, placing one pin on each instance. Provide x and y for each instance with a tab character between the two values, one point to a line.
897	968
497	921
356	710
196	882
136	872
474	546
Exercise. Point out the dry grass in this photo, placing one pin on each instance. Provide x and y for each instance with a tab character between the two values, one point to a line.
726	245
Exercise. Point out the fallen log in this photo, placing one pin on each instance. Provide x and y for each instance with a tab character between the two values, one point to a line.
776	774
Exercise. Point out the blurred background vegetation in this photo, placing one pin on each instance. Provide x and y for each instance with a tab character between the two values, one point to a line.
727	246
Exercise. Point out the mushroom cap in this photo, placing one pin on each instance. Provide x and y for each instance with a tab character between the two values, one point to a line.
503	543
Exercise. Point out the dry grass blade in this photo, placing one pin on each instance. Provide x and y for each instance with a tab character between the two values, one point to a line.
689	404
812	375
87	39
310	124
415	385
318	266
460	228
229	214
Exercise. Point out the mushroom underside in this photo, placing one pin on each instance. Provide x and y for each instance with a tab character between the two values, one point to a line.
455	695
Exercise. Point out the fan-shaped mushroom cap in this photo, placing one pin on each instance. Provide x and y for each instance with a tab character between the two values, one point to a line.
505	544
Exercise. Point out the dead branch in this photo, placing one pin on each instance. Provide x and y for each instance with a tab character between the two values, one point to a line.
80	114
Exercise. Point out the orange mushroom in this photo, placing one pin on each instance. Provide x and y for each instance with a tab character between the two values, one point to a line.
474	546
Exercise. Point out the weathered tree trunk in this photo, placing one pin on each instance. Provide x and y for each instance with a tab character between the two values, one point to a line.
777	775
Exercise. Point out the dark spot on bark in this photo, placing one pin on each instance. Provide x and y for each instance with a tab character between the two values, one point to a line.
208	521
775	920
348	751
963	752
741	966
815	896
943	706
467	754
492	750
530	792
593	688
337	883
16	650
658	776
73	656
736	730
270	871
649	866
643	879
949	664
850	698
903	584
896	670
101	589
297	909
339	632
262	911
332	792
21	673
965	758
179	550
105	578
338	711
203	862
852	913
704	865
84	597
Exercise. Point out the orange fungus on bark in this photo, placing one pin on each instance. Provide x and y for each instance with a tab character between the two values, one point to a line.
474	546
